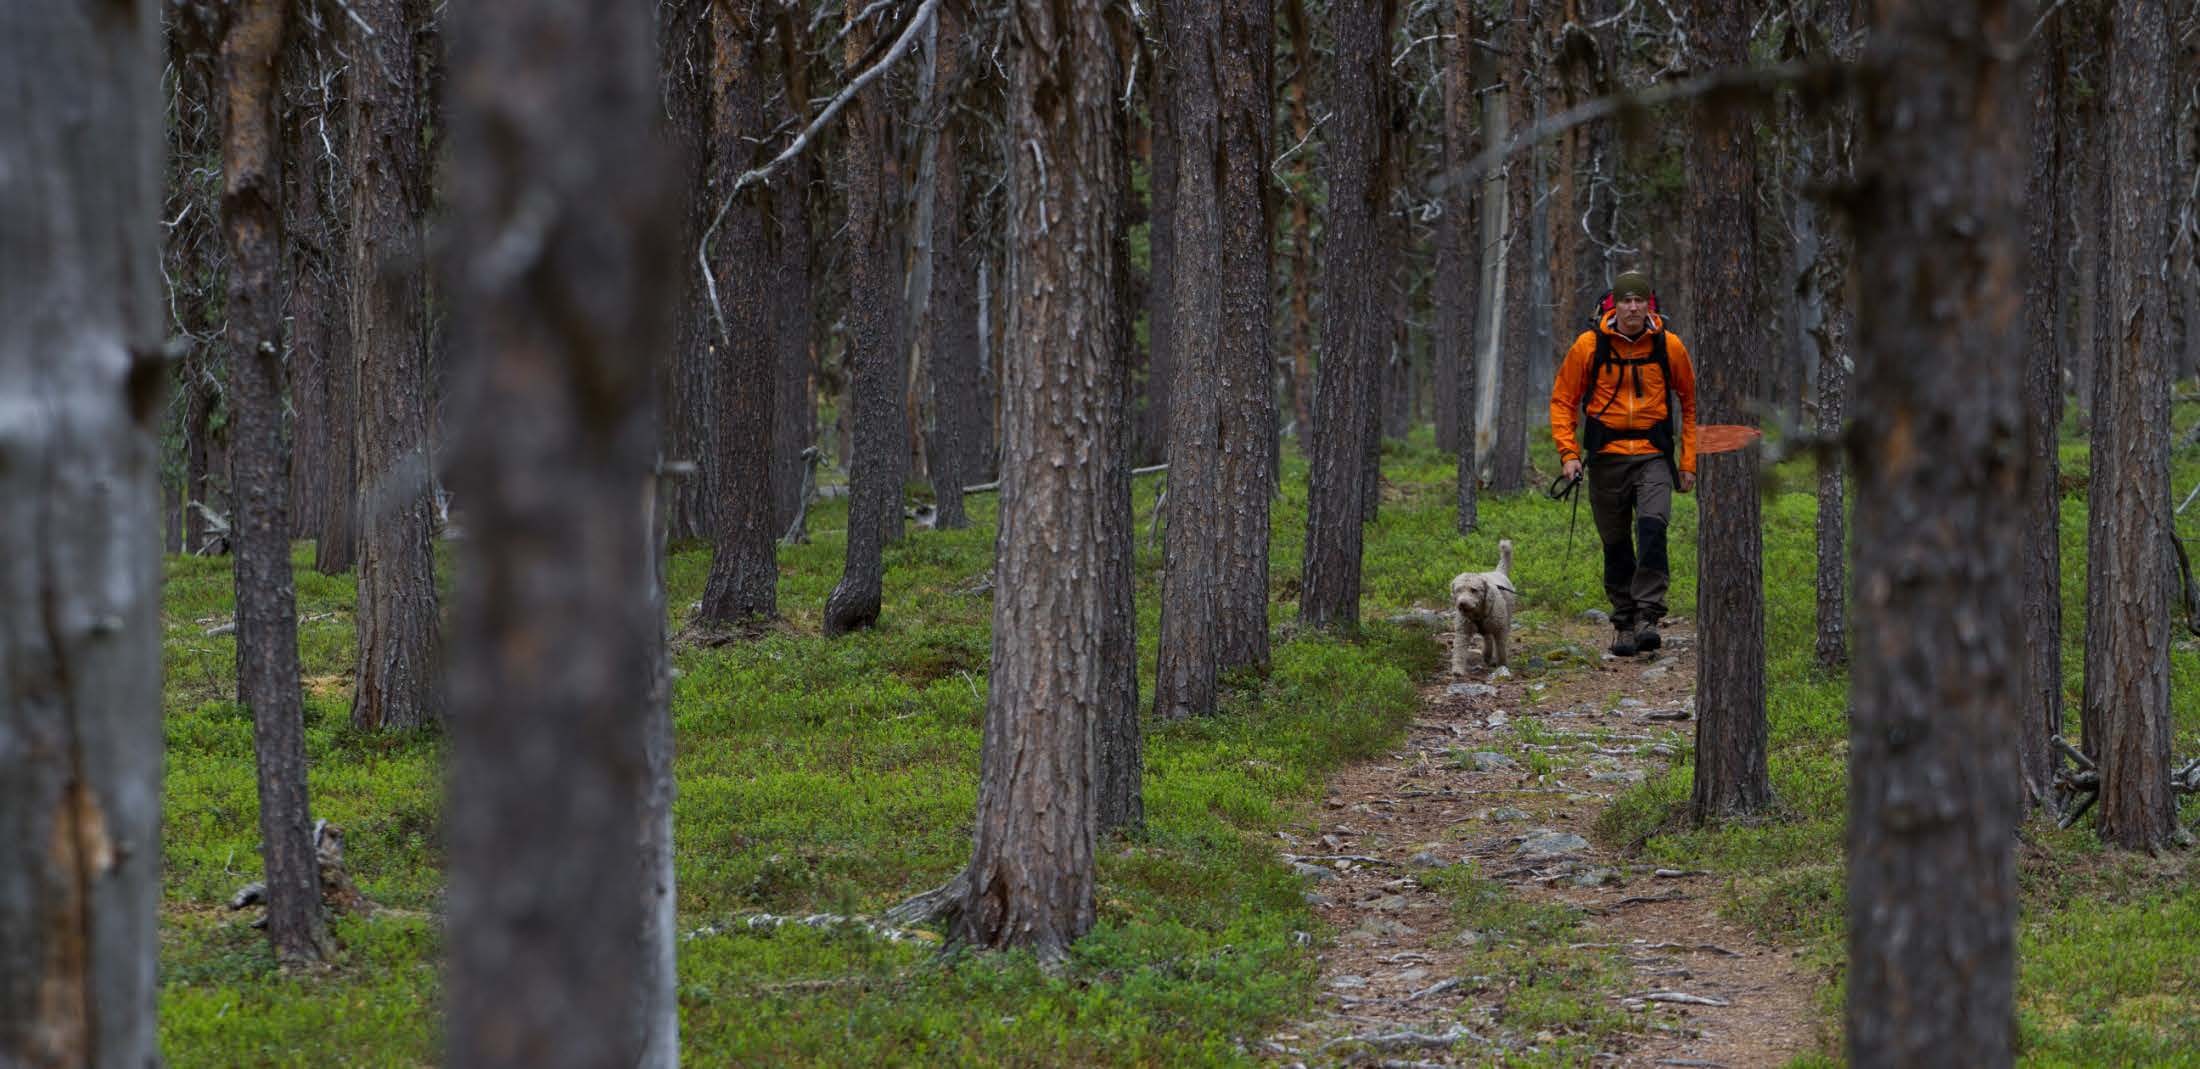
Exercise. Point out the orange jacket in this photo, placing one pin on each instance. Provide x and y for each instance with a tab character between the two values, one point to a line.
1615	395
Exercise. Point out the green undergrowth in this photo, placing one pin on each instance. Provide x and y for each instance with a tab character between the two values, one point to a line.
831	776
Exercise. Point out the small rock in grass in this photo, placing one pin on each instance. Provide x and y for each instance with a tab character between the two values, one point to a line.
1597	877
1632	775
1506	814
1348	982
1596	616
1470	690
1545	843
1315	873
1488	761
1427	860
1631	703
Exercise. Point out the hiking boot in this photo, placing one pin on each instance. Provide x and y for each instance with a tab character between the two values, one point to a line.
1647	639
1624	644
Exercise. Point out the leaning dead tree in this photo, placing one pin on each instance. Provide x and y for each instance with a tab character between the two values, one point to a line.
80	374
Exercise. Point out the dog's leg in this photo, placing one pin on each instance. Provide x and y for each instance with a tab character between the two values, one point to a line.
1460	636
1493	644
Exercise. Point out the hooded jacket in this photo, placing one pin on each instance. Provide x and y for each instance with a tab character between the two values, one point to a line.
1624	397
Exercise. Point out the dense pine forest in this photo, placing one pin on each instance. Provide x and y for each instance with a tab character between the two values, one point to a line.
1081	532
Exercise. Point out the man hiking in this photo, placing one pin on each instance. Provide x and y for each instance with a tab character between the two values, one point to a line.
1614	388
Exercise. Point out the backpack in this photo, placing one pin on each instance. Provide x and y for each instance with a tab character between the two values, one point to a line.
1595	435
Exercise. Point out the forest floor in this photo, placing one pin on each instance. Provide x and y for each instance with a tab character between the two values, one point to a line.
1478	918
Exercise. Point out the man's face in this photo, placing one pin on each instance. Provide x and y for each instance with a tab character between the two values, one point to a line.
1634	311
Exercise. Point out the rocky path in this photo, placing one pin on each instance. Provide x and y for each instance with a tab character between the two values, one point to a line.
1586	957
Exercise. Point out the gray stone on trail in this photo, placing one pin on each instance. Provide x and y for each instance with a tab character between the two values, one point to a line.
1390	904
1377	930
1597	877
1349	982
1537	664
1312	899
1471	938
1662	750
1658	672
1545	843
1413	975
1631	703
1428	618
1470	690
1316	873
1427	860
1596	616
1632	775
1487	761
1506	814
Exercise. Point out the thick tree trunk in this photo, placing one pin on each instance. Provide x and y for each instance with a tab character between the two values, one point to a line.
554	637
1245	68
1353	333
1119	800
1940	466
1494	219
267	609
2041	692
2128	618
395	677
1731	734
684	388
1297	361
875	389
742	588
1834	329
1161	257
951	315
1184	683
1030	881
80	706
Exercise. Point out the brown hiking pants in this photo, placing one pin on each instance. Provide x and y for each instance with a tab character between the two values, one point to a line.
1632	500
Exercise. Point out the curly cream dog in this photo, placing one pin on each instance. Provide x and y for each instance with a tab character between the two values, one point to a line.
1482	603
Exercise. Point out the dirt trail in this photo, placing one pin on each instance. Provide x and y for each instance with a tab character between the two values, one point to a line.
1472	783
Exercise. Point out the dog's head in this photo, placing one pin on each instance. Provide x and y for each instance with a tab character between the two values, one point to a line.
1471	593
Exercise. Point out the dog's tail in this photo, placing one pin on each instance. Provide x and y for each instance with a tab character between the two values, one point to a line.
1505	558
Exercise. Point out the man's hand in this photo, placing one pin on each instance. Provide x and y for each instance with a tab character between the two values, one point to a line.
1688	481
1571	470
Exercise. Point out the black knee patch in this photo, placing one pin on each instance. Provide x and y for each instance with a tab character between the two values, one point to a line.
1619	562
1650	538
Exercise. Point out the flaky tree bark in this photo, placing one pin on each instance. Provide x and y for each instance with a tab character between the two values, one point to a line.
1297	364
80	373
1030	881
267	607
1940	465
2041	693
1354	280
874	505
686	62
1731	777
794	420
744	570
1119	801
1247	408
2128	617
1458	260
555	636
1835	360
1184	682
395	673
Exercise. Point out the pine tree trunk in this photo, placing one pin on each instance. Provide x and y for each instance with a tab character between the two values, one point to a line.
1940	467
1161	255
794	400
81	317
1299	341
1119	799
1245	68
267	610
1836	357
684	390
950	347
1494	217
1353	333
1458	261
2042	690
556	636
742	588
395	675
1731	776
875	389
1184	683
1030	881
2128	617
311	258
